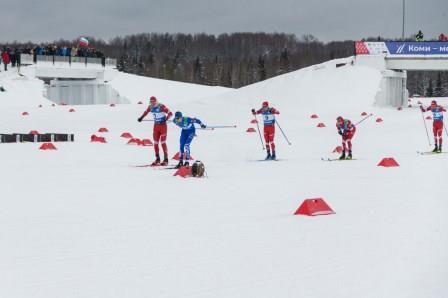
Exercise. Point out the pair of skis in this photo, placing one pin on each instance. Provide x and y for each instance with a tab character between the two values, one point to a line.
268	159
336	159
430	153
168	167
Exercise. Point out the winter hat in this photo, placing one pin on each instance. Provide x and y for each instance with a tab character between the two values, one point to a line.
177	115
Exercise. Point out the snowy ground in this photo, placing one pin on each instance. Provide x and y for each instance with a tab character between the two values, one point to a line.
82	221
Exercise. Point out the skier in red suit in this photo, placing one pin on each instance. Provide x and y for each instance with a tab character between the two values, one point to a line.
347	130
161	115
437	125
268	114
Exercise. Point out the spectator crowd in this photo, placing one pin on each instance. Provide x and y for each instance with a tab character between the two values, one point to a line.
12	56
54	50
9	56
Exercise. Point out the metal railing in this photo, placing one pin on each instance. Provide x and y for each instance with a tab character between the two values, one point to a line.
111	62
27	59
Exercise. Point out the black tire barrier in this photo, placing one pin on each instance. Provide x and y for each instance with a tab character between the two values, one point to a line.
56	137
36	138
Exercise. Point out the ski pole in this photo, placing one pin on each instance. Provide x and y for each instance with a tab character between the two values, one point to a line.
276	122
221	126
360	121
446	131
426	129
213	127
258	128
151	120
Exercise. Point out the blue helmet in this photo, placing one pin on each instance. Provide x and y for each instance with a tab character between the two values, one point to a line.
177	115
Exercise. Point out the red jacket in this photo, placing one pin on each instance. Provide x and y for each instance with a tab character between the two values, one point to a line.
345	128
437	112
268	115
270	110
5	57
161	113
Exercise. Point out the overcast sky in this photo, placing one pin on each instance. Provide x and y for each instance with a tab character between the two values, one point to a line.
47	20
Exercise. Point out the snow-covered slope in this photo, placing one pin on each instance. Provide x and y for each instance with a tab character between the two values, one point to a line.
22	90
139	88
82	221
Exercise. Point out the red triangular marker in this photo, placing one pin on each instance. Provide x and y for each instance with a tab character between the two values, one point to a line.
388	162
183	172
313	207
47	146
126	135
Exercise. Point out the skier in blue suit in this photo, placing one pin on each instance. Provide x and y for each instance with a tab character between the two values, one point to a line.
187	135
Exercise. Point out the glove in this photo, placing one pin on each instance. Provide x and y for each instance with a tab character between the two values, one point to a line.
253	111
340	132
203	126
140	119
422	109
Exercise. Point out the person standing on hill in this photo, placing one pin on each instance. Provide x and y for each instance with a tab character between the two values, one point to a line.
347	130
419	36
186	136
5	58
161	115
268	114
437	125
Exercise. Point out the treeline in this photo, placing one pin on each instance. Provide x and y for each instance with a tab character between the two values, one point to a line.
230	60
239	59
235	60
428	83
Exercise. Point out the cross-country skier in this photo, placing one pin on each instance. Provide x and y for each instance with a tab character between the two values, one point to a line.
161	115
186	136
268	114
347	130
437	126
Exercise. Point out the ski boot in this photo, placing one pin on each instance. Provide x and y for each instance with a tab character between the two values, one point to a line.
342	156
273	157
156	162
186	164
440	149
164	162
349	156
180	164
269	156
